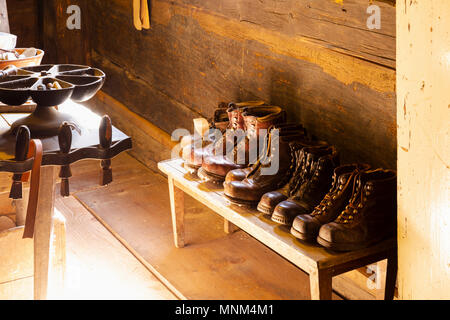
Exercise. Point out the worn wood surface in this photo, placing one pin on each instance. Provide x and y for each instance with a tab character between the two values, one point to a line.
320	264
200	53
84	279
213	266
318	59
423	113
146	228
307	257
21	289
98	266
24	22
43	231
61	44
16	255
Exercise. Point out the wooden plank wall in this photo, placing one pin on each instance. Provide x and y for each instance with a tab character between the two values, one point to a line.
316	58
24	22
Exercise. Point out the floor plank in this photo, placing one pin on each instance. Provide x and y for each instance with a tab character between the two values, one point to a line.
98	265
213	265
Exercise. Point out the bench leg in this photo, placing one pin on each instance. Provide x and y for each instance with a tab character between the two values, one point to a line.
43	231
229	227
177	209
320	284
391	277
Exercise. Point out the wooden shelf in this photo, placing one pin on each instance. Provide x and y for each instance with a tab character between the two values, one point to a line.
319	263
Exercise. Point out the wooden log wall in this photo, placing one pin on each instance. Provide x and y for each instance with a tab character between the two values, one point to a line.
316	58
24	22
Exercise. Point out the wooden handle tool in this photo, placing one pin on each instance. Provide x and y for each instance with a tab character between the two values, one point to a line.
105	136
22	145
65	144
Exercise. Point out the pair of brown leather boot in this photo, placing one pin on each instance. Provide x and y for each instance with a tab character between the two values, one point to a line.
359	210
315	165
226	116
273	169
238	147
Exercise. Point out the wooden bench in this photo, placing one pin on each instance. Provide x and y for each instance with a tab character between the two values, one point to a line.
319	263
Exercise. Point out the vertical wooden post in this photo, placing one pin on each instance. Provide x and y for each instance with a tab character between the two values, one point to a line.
177	209
43	231
320	284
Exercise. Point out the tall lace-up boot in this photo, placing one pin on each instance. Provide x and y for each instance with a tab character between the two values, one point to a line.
288	129
306	227
317	181
271	199
369	217
272	171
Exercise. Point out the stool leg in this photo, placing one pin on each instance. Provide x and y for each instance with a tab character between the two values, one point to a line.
229	227
321	284
391	277
43	230
177	209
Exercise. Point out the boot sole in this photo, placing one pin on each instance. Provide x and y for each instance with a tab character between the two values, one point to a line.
280	220
302	236
207	176
240	202
263	209
346	246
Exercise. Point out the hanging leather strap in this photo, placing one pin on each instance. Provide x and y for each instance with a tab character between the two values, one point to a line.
35	150
141	14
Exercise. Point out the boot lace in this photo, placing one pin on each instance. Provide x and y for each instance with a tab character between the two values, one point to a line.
302	171
329	198
356	203
293	169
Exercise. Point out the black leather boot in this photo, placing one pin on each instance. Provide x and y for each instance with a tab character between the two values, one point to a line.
317	181
271	199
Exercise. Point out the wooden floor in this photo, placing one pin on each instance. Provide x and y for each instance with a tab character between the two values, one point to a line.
214	265
98	265
120	245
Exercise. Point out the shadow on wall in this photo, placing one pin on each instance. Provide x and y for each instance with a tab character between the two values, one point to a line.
340	120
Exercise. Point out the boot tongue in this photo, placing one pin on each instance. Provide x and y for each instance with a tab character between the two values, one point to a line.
235	118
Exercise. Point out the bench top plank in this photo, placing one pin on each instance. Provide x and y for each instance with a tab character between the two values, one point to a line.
308	257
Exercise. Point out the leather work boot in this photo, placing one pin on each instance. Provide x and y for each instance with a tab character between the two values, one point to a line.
271	199
225	117
285	130
370	215
320	164
215	168
219	121
306	227
249	190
